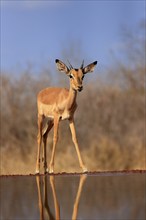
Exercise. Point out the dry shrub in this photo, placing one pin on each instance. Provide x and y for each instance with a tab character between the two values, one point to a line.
109	123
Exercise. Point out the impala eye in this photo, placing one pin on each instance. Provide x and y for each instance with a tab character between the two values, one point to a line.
82	77
71	76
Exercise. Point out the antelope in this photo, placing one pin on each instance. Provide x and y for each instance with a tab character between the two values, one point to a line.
58	104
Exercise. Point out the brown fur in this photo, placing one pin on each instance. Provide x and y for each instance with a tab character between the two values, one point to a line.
59	104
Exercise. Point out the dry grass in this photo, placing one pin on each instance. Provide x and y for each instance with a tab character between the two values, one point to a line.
98	157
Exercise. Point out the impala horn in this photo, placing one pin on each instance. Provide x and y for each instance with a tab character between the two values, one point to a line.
82	65
70	66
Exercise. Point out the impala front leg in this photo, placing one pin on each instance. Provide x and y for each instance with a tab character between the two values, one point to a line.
55	139
74	138
44	159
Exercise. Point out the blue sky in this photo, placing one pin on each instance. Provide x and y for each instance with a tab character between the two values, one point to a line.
41	31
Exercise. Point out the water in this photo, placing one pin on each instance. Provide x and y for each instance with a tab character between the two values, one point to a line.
86	197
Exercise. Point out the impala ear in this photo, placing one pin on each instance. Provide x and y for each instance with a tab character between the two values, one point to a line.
90	67
61	66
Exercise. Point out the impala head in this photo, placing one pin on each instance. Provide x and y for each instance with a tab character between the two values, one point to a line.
76	75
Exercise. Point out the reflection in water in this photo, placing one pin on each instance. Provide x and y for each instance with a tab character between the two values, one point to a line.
96	197
45	212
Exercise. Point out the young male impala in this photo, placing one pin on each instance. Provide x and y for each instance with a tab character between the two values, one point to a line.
58	104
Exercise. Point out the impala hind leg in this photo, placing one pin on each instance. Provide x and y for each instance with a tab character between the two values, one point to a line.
74	138
45	135
55	139
39	139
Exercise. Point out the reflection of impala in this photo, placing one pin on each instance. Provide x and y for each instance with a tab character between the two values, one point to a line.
58	104
45	212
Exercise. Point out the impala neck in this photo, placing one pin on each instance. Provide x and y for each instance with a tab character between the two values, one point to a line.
71	98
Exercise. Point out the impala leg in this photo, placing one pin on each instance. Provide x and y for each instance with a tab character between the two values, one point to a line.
45	135
39	139
74	138
55	139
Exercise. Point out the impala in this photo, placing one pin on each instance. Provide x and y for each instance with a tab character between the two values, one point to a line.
58	104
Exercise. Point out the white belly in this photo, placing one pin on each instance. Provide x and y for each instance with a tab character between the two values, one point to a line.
65	115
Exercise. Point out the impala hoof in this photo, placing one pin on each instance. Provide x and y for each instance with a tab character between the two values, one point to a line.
51	170
37	172
46	171
85	170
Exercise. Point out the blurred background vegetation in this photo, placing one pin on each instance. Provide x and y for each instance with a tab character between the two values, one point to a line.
109	119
